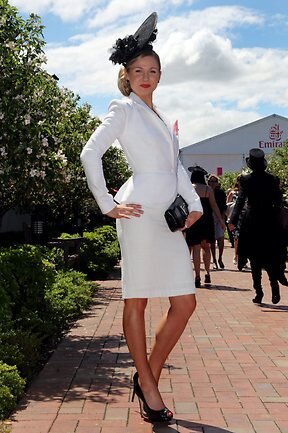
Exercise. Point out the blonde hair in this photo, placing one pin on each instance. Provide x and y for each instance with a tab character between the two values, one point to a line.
123	83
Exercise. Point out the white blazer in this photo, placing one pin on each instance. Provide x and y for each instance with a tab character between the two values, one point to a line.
151	149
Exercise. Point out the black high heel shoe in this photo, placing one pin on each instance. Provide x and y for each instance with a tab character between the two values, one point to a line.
162	415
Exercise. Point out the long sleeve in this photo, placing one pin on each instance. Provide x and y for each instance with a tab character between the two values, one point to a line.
97	145
187	190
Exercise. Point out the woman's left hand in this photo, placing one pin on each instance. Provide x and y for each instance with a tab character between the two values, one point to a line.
191	219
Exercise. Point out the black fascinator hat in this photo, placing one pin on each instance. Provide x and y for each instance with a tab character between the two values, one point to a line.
131	46
198	174
256	159
197	168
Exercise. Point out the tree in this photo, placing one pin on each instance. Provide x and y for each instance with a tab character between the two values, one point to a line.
42	129
278	165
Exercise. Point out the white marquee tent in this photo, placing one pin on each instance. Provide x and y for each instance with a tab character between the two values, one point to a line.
226	152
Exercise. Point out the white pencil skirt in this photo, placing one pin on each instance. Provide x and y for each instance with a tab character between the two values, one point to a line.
155	261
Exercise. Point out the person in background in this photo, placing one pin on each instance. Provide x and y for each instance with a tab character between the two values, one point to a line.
260	235
201	234
220	197
155	261
231	200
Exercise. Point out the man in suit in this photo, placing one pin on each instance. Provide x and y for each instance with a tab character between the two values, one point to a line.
260	236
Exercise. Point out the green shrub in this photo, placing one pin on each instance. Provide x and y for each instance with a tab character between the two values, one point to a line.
20	348
5	309
99	252
5	427
11	388
69	295
227	180
54	256
69	236
37	302
24	277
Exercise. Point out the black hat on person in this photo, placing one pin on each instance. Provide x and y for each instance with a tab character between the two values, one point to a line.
131	46
197	168
256	159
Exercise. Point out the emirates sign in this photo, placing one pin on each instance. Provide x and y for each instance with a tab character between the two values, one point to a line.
275	138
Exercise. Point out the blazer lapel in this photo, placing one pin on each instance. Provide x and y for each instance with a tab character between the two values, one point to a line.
162	122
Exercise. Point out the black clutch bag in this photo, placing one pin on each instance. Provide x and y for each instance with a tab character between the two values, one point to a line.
177	213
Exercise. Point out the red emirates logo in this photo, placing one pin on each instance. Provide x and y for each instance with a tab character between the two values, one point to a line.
275	133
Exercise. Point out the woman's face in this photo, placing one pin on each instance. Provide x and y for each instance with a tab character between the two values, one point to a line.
144	75
213	182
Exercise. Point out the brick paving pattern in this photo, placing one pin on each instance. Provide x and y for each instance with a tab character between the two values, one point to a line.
227	374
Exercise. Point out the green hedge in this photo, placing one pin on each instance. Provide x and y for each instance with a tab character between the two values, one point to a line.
99	252
38	300
21	348
11	388
68	296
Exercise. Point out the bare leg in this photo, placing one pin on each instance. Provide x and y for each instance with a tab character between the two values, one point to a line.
213	251
134	330
170	330
196	250
220	242
235	251
206	256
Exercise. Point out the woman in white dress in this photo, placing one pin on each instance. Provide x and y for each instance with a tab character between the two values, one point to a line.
155	261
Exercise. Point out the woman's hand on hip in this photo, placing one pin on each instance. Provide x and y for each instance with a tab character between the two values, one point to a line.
126	210
192	218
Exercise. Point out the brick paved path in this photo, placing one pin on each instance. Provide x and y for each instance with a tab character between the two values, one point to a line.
228	374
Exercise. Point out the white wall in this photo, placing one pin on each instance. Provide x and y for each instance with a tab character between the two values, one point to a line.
228	163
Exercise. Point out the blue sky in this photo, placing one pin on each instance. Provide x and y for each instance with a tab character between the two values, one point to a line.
225	63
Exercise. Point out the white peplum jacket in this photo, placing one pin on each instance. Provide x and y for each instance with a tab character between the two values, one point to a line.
151	149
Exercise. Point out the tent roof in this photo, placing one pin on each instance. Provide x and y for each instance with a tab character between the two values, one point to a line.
232	138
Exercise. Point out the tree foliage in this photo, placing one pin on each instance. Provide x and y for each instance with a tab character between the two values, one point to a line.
278	165
42	129
227	180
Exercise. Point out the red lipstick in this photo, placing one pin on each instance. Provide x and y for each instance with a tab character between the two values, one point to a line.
145	86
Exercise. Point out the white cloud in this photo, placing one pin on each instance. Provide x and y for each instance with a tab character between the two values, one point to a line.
206	80
204	56
115	10
187	50
85	68
67	10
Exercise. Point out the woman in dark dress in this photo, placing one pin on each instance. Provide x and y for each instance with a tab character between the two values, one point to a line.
201	234
260	235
